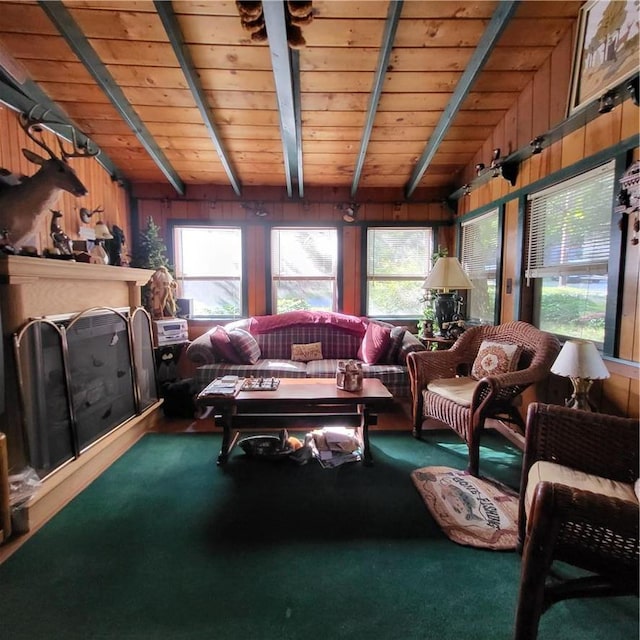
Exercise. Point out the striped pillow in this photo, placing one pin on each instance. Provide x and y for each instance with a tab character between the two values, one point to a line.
245	345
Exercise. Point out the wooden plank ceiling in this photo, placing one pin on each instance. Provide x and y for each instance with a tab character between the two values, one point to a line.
434	42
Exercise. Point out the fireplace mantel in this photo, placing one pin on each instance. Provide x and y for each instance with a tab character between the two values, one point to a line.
36	287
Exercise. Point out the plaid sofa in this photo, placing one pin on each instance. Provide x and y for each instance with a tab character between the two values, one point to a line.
275	355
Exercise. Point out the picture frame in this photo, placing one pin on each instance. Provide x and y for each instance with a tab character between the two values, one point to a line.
606	50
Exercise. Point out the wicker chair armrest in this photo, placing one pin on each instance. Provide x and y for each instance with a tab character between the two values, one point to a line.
595	443
426	366
555	506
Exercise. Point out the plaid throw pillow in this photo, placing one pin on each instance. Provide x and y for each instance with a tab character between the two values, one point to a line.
246	346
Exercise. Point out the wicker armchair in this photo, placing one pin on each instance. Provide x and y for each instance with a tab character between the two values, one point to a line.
560	519
489	397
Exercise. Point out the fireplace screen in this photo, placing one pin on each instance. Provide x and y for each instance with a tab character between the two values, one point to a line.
80	378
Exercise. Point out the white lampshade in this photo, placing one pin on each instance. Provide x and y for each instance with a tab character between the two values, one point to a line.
102	231
580	359
447	274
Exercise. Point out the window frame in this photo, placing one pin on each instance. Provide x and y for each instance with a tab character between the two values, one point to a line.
477	216
269	277
172	225
532	291
364	251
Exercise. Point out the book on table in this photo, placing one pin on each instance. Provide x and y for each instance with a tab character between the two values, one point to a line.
226	386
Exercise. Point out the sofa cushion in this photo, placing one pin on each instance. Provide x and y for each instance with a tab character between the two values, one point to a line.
375	343
245	345
395	343
263	368
222	347
494	358
336	342
306	352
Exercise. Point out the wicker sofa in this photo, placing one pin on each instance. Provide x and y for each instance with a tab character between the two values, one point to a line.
381	347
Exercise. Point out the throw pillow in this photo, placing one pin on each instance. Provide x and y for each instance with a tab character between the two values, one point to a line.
221	344
246	346
306	352
495	358
375	343
395	344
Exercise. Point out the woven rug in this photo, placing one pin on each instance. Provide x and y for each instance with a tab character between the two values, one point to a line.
471	511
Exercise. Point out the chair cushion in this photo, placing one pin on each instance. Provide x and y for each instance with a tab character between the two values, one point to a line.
494	358
306	352
245	344
375	343
543	471
458	390
221	344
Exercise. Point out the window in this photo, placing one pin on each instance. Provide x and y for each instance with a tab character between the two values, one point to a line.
568	254
304	264
208	266
398	261
479	258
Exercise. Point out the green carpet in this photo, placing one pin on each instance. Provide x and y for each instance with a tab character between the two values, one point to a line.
165	545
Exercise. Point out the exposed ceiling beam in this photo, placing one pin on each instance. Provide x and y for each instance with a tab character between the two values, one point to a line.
275	22
174	32
297	109
79	44
497	24
27	97
393	16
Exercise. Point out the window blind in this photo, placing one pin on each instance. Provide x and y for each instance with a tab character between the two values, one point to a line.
398	253
569	226
480	245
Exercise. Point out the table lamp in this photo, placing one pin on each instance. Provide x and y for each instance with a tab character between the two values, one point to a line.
446	278
580	361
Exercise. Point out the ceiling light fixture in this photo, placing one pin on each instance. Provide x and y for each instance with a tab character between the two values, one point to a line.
350	211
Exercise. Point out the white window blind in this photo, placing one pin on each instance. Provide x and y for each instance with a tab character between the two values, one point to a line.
480	245
569	226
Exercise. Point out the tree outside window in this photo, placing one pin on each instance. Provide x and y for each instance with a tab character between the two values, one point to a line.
398	261
208	266
304	267
568	254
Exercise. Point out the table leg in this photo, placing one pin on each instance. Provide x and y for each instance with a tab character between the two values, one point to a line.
226	419
364	430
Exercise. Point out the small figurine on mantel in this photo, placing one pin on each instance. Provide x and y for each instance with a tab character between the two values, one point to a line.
61	241
163	294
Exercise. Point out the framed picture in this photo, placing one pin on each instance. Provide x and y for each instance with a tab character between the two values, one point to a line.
606	49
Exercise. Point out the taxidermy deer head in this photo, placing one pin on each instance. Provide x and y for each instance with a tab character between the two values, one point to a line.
22	204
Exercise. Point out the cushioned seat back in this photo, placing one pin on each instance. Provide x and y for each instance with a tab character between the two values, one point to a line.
336	342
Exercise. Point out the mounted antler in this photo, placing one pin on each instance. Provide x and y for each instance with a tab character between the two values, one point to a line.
85	214
22	204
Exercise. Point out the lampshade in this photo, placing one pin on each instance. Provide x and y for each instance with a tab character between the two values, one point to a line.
580	359
102	231
447	274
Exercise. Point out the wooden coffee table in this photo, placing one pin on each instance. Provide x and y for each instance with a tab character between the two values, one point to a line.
300	403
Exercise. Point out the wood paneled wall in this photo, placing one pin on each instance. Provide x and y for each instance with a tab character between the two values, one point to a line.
102	191
620	394
211	205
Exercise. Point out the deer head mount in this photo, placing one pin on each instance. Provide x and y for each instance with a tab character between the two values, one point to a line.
23	203
85	214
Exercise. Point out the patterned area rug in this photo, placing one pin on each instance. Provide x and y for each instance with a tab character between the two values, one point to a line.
471	511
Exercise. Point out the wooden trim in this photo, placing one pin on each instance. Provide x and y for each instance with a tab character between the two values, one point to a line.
67	482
